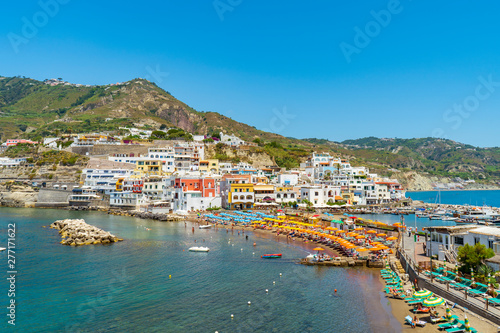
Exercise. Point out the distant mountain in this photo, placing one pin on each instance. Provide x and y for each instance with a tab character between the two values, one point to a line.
35	109
439	157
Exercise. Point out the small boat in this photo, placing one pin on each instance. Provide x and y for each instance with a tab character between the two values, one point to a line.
205	226
2	249
271	256
199	249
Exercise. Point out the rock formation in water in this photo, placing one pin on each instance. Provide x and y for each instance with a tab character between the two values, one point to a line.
78	232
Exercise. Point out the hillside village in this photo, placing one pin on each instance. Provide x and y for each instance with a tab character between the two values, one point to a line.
133	172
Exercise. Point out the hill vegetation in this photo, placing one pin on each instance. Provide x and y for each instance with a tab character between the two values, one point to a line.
33	109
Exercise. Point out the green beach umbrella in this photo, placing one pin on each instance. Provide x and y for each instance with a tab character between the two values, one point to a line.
467	325
448	312
422	294
432	301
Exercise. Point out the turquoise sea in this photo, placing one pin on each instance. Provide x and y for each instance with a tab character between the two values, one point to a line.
474	198
151	283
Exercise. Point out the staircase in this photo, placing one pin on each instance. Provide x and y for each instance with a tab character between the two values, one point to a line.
450	255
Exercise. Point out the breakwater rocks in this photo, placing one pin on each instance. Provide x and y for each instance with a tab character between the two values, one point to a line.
148	215
78	232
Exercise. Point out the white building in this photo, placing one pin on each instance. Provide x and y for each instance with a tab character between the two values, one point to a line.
103	180
11	162
445	240
288	179
231	140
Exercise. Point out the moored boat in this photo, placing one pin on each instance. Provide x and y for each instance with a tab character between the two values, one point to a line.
271	256
199	249
205	226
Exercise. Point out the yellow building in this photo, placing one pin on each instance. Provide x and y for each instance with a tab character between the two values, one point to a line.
241	196
209	166
149	167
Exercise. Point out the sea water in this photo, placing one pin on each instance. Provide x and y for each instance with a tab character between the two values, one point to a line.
150	282
474	198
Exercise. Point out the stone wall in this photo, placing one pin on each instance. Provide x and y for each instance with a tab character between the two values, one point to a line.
53	196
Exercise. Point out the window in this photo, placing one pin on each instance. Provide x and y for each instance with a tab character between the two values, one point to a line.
490	244
476	240
459	240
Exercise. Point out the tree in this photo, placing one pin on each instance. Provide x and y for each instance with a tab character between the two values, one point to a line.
473	256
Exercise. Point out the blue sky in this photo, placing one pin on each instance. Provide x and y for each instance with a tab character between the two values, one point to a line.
326	69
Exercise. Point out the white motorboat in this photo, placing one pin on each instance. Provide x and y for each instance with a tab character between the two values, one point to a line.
2	249
205	226
199	249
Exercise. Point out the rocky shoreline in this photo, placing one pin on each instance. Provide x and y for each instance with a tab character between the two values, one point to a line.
78	232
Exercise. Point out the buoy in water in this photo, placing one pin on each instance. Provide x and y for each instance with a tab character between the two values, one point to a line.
267	291
249	302
170	276
281	274
274	282
254	244
232	315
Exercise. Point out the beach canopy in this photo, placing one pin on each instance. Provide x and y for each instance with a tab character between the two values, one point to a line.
381	235
318	249
361	249
432	301
422	293
392	238
358	229
371	232
360	237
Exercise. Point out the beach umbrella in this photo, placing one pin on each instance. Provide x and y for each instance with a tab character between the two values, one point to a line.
432	301
361	249
358	229
318	249
392	238
466	324
422	293
360	237
371	232
448	312
381	235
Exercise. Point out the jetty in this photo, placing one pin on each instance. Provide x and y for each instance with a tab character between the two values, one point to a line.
78	232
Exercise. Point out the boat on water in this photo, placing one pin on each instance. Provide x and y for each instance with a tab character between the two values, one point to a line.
199	249
205	226
449	218
2	249
271	256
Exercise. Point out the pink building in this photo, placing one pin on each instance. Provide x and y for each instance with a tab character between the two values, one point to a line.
15	142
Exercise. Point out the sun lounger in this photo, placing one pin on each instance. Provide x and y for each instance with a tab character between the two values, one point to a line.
451	324
493	300
409	321
459	328
421	310
477	292
436	320
461	285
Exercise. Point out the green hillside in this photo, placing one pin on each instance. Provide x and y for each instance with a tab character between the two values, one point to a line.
34	109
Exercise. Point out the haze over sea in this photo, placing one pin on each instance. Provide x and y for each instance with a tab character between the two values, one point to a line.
125	287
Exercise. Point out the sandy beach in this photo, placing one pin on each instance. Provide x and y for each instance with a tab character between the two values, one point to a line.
398	308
